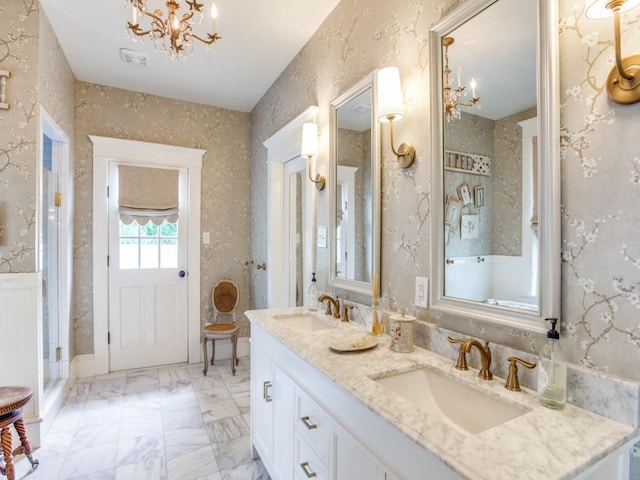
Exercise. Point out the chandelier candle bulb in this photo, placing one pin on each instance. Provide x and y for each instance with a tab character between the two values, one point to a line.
134	16
214	15
473	87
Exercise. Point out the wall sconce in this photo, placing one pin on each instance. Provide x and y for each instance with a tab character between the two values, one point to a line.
390	110
310	150
4	75
623	82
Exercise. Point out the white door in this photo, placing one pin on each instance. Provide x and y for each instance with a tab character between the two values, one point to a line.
148	316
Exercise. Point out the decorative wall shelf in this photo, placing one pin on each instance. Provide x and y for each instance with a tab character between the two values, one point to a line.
467	162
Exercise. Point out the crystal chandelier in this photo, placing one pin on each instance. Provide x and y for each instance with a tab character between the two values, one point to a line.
452	97
171	33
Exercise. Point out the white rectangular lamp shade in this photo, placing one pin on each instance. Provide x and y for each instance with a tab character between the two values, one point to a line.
389	95
309	140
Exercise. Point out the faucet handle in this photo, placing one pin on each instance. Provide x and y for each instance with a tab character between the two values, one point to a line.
512	379
345	311
461	364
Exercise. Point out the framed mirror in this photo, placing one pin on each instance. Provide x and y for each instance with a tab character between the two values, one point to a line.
355	189
495	135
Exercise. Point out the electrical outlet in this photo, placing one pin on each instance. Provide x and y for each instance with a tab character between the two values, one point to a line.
422	287
206	238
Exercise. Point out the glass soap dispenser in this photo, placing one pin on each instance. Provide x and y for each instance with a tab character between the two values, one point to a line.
552	371
314	303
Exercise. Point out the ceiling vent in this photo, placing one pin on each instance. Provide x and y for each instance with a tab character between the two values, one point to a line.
362	108
134	58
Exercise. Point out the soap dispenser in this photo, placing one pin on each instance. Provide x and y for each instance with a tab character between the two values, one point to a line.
552	371
314	303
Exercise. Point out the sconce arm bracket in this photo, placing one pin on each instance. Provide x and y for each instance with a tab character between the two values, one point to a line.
406	153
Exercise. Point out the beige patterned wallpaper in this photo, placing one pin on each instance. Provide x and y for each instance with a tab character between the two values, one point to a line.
600	168
224	134
18	136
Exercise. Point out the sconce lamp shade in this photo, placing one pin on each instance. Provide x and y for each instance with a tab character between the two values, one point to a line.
597	9
389	95
309	140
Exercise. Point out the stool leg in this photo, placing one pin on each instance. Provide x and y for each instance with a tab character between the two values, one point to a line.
25	445
206	356
8	457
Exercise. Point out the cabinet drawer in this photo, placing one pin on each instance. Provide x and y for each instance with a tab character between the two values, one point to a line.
313	424
307	464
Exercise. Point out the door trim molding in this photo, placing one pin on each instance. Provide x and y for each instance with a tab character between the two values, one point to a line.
282	146
107	149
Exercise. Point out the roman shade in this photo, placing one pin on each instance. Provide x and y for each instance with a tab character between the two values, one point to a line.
147	194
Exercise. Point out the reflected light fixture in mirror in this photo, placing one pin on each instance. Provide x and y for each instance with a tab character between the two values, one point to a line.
452	97
390	110
310	150
623	82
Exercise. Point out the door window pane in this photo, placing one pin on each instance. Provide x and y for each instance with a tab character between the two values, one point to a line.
129	251
149	250
149	245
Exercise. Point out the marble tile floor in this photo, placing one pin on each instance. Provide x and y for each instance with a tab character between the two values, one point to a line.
166	423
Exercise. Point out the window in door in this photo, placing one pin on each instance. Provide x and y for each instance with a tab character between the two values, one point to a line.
149	245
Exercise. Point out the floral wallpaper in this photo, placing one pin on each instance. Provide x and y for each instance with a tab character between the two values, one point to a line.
18	136
600	162
224	134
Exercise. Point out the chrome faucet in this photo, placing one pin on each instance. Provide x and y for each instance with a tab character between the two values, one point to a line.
331	302
485	356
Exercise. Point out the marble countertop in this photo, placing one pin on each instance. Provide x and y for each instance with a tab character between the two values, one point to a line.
541	443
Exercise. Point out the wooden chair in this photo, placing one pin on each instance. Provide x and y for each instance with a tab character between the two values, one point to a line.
224	298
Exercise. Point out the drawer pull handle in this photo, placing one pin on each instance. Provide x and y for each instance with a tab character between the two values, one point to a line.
307	472
265	391
307	424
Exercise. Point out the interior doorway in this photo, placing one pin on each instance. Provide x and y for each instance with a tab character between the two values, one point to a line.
111	152
294	230
55	245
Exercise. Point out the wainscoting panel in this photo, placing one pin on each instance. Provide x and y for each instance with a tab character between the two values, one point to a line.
21	341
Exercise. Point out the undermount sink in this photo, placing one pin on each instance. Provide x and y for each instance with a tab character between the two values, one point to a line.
465	407
304	322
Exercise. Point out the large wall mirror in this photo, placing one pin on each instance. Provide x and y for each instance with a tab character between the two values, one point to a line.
496	222
355	189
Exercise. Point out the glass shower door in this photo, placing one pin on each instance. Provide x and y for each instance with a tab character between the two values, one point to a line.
49	250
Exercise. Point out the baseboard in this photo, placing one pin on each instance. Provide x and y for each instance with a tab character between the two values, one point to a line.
223	349
83	366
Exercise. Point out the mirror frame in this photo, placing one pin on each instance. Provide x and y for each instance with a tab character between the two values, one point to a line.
363	288
549	260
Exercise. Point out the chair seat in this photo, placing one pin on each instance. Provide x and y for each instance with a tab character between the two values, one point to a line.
223	328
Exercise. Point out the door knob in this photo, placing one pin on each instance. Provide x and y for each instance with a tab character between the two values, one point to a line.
181	273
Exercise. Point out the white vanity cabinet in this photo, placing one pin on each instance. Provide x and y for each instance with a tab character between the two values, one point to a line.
304	426
271	420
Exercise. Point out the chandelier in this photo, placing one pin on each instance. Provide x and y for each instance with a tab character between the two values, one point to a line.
452	97
171	33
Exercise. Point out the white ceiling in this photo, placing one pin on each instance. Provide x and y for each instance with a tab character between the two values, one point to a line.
259	39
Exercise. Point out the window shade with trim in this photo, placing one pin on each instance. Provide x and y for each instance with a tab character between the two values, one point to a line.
147	194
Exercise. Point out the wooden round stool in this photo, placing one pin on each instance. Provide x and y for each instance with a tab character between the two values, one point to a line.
12	399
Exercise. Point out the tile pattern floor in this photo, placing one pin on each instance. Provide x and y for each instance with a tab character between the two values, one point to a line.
166	423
